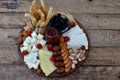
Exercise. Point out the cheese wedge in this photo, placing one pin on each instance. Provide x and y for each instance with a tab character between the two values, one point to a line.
77	37
46	65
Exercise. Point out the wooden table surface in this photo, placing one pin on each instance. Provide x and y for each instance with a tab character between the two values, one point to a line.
101	19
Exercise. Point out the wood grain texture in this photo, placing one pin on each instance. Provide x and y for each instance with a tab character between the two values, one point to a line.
72	6
9	55
16	72
90	21
101	19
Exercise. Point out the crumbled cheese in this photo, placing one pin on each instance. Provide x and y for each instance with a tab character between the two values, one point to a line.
30	43
31	60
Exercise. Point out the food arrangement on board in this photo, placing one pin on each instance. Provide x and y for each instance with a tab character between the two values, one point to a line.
52	43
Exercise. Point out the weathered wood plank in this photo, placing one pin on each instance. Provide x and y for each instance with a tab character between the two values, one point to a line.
73	6
9	55
97	56
104	37
98	38
12	20
90	21
103	56
99	21
9	36
16	72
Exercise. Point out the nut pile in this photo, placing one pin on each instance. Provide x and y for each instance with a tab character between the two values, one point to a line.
76	54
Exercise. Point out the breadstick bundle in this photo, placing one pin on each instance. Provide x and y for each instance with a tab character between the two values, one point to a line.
39	15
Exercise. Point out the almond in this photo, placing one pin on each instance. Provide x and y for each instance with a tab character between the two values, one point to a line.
79	59
75	61
73	66
71	57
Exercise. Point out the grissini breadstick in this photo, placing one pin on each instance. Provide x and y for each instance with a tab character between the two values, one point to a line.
50	13
29	25
32	7
33	19
41	15
44	7
38	24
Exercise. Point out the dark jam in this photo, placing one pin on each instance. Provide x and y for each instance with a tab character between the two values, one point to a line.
52	36
59	22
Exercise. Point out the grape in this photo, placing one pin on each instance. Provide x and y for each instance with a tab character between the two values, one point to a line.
58	22
59	15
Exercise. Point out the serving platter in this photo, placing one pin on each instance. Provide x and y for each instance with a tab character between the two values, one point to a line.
52	44
55	74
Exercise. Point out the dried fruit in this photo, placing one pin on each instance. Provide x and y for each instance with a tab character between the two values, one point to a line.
52	59
50	48
66	38
83	47
29	33
39	46
73	25
56	48
57	53
60	69
24	53
39	71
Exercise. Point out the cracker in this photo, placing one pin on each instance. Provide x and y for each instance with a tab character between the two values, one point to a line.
68	64
66	56
66	61
68	67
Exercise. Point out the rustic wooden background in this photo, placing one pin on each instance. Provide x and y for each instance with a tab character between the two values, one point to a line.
101	19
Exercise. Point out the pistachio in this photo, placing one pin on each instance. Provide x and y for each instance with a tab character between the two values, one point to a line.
82	55
78	55
83	58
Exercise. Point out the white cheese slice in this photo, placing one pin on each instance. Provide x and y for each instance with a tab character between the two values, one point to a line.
77	37
43	42
31	60
76	30
40	36
23	48
34	49
27	41
46	65
33	34
28	48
